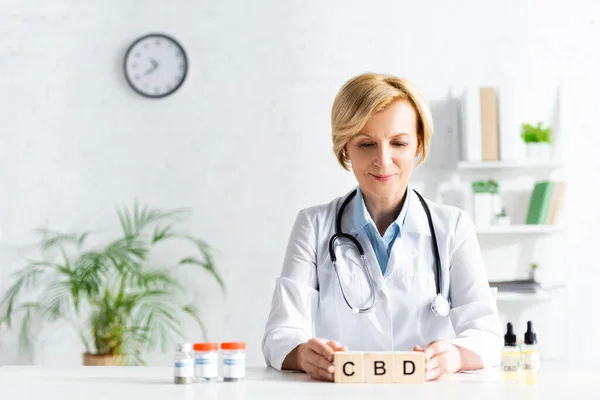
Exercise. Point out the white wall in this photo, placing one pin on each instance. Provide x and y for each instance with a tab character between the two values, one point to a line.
246	141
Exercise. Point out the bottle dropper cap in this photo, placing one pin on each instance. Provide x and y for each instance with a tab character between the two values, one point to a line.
510	339
530	336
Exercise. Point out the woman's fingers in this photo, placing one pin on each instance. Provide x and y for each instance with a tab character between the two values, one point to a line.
317	372
437	347
437	366
432	374
318	358
335	346
319	361
436	362
320	375
321	347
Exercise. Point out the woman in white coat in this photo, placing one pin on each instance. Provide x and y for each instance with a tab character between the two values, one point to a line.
381	129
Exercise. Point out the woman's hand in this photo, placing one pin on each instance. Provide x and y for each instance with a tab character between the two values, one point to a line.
315	357
441	359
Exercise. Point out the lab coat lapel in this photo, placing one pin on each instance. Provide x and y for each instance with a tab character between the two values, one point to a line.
405	247
402	255
370	258
347	215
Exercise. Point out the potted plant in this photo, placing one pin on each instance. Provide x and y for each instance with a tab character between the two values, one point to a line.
537	140
532	271
486	202
121	305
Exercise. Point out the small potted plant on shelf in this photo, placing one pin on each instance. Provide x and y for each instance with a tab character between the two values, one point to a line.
120	303
537	141
532	271
487	203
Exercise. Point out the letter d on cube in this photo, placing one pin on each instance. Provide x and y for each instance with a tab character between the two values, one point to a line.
409	367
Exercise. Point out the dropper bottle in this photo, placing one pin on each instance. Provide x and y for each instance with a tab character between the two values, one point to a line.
530	356
510	356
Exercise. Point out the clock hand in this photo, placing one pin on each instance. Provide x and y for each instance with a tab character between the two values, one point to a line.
149	70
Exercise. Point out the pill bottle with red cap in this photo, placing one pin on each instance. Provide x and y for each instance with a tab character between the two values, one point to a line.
206	361
233	355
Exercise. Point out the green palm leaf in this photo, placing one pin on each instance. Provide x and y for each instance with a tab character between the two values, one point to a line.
59	300
161	233
208	265
192	311
26	278
25	343
134	222
157	313
52	238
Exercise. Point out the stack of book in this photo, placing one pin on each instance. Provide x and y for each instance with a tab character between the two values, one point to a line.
545	203
489	128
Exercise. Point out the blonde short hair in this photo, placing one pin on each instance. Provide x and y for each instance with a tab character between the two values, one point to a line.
369	93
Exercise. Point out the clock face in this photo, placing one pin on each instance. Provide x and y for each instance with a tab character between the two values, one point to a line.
155	65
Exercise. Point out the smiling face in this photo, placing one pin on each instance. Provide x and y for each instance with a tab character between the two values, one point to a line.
383	153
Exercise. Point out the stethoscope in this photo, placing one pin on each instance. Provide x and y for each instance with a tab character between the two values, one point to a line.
440	305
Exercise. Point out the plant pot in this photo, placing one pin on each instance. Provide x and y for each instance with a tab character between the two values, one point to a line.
538	151
104	360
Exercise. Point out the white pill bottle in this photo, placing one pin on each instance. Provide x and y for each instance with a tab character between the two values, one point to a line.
184	364
233	356
206	361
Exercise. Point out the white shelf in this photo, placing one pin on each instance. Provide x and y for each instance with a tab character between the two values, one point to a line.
518	229
525	297
484	165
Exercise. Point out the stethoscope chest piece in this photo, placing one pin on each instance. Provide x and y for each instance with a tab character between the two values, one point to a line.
440	306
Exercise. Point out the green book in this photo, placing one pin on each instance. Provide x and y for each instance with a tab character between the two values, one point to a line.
539	204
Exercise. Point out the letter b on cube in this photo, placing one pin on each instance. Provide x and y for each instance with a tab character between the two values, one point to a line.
379	367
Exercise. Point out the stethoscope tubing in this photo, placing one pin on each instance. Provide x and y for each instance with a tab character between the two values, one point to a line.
340	235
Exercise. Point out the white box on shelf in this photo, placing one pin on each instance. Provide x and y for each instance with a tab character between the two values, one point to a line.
470	124
496	205
510	130
483	207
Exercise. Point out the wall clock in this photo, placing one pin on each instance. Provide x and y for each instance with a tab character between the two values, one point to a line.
155	65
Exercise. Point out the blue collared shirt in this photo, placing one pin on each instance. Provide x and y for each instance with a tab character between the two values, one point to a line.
382	245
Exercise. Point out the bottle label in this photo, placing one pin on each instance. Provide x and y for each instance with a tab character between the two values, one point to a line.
234	365
206	365
531	362
510	363
184	368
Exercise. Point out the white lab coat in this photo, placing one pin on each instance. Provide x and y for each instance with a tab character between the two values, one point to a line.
307	301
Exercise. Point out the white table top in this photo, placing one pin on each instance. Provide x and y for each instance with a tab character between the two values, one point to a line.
148	383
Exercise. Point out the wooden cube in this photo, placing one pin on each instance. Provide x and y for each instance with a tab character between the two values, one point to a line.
379	367
409	367
349	366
